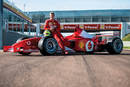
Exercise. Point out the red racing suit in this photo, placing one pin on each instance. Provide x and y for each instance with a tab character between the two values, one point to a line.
56	34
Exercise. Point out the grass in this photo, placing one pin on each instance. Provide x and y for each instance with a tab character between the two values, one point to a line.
126	38
126	47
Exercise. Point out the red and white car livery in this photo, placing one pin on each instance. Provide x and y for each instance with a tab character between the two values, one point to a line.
79	41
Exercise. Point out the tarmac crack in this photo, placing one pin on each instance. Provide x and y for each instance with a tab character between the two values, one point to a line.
92	77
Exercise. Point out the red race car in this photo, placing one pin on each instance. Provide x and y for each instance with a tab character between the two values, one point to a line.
79	41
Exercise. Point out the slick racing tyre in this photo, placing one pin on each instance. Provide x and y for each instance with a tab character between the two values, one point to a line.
115	47
48	46
23	53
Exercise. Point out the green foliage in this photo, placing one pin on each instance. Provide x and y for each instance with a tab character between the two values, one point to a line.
126	38
126	47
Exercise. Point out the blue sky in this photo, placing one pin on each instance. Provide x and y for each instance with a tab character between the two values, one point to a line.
51	5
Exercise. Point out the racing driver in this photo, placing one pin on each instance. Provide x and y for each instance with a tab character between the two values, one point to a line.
54	26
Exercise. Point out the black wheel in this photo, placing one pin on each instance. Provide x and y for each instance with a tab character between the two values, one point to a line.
23	53
48	46
115	47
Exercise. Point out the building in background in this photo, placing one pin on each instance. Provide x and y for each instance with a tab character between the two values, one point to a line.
14	23
15	19
90	20
83	16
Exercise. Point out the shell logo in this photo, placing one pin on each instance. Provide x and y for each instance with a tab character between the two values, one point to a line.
62	27
81	26
102	26
89	46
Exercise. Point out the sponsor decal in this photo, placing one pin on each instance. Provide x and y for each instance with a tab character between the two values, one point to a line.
81	44
89	46
116	33
18	26
62	27
81	26
69	26
28	43
91	26
102	26
129	27
50	23
54	23
112	26
41	26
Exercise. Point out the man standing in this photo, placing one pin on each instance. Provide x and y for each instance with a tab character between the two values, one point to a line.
54	26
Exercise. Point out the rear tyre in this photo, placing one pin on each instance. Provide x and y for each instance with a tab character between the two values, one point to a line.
23	53
48	46
115	47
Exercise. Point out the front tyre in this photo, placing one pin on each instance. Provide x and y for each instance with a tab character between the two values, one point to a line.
115	47
48	46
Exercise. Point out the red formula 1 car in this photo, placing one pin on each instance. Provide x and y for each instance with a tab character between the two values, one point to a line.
47	45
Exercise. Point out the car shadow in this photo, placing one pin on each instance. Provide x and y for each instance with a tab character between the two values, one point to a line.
96	53
74	54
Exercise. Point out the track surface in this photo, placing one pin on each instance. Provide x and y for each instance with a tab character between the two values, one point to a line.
74	70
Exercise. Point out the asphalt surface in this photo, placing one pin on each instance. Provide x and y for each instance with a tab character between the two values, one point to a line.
73	70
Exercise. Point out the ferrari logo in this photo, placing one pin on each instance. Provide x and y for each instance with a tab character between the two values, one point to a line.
54	23
81	44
